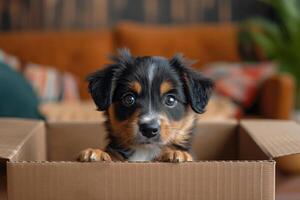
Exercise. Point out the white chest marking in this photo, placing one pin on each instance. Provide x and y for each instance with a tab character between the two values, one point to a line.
145	154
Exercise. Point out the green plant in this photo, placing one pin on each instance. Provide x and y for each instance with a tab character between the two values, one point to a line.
280	40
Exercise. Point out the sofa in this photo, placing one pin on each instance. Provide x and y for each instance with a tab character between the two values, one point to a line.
82	52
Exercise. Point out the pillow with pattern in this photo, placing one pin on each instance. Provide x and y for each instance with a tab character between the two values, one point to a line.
10	60
50	84
239	81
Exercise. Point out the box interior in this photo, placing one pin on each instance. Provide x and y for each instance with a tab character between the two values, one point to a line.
213	141
2	182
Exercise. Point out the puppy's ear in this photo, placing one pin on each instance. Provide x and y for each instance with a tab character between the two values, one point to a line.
103	82
100	87
198	88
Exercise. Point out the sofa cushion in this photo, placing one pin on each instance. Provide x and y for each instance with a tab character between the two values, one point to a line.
204	43
77	52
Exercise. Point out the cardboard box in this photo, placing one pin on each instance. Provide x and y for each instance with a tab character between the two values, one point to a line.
235	163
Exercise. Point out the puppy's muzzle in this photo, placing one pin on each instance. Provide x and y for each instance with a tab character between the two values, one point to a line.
150	129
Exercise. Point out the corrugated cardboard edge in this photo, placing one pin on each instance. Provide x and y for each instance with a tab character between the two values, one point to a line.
209	180
13	151
23	147
276	138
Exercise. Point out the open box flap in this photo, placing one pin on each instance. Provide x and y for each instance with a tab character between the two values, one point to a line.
17	137
276	138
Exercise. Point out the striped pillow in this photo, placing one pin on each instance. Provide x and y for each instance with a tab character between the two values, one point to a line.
50	84
10	60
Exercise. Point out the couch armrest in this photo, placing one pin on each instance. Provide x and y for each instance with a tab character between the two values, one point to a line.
277	97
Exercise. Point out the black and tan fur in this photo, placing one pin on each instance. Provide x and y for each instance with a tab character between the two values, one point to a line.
151	105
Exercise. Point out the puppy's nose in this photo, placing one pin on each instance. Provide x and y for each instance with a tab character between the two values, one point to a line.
150	129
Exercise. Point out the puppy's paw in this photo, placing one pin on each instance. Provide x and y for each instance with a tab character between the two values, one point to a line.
175	156
93	155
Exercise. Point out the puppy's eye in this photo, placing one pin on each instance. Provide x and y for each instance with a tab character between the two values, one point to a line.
128	100
170	101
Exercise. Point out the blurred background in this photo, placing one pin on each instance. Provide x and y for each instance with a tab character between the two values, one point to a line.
92	14
249	48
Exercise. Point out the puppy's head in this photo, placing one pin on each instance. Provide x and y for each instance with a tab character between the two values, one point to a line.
149	100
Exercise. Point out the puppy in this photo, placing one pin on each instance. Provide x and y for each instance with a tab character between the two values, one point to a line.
151	105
